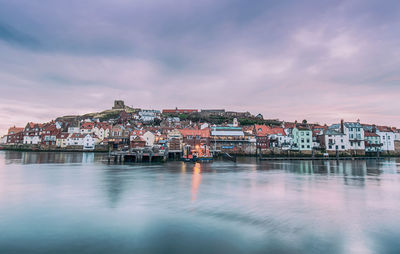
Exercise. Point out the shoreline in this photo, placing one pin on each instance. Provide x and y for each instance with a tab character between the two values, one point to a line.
258	157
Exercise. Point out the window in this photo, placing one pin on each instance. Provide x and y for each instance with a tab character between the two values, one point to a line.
308	140
308	134
198	137
342	147
302	146
341	140
189	137
330	147
337	147
308	146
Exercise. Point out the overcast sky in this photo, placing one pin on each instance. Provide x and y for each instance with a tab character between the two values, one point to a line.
319	60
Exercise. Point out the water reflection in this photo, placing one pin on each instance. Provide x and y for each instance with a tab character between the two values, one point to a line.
13	157
76	202
196	180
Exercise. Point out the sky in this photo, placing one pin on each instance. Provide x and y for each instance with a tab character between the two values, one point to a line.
292	60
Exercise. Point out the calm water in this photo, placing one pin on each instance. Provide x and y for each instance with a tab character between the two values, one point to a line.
76	203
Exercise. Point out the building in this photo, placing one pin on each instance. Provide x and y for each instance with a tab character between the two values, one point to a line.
179	111
118	104
148	116
175	140
102	130
261	134
237	114
302	138
32	133
15	136
355	134
333	140
61	140
89	142
387	137
87	128
49	135
372	142
195	137
149	137
232	140
215	112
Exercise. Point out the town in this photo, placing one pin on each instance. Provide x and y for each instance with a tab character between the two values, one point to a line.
177	133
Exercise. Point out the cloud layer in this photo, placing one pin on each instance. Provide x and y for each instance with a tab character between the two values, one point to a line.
285	59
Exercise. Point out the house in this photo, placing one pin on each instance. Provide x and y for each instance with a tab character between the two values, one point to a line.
278	138
32	133
61	139
3	139
355	134
302	138
372	142
148	115
195	137
15	136
75	140
149	137
387	137
333	140
49	135
261	135
102	130
74	129
175	140
90	141
87	128
138	142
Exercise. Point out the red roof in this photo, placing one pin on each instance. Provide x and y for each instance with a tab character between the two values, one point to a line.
289	125
204	133
384	129
370	134
14	130
264	130
87	126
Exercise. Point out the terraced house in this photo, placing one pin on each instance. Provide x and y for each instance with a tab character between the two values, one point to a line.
302	138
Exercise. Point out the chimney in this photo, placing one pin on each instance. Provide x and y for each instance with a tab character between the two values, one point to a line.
374	128
342	126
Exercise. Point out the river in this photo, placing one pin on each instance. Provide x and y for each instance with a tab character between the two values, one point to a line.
77	203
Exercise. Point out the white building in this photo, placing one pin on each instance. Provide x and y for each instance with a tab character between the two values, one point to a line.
335	141
89	142
73	129
387	137
149	137
75	139
61	140
354	133
102	131
3	140
148	115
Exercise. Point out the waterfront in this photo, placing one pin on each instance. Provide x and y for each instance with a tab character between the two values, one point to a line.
77	203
